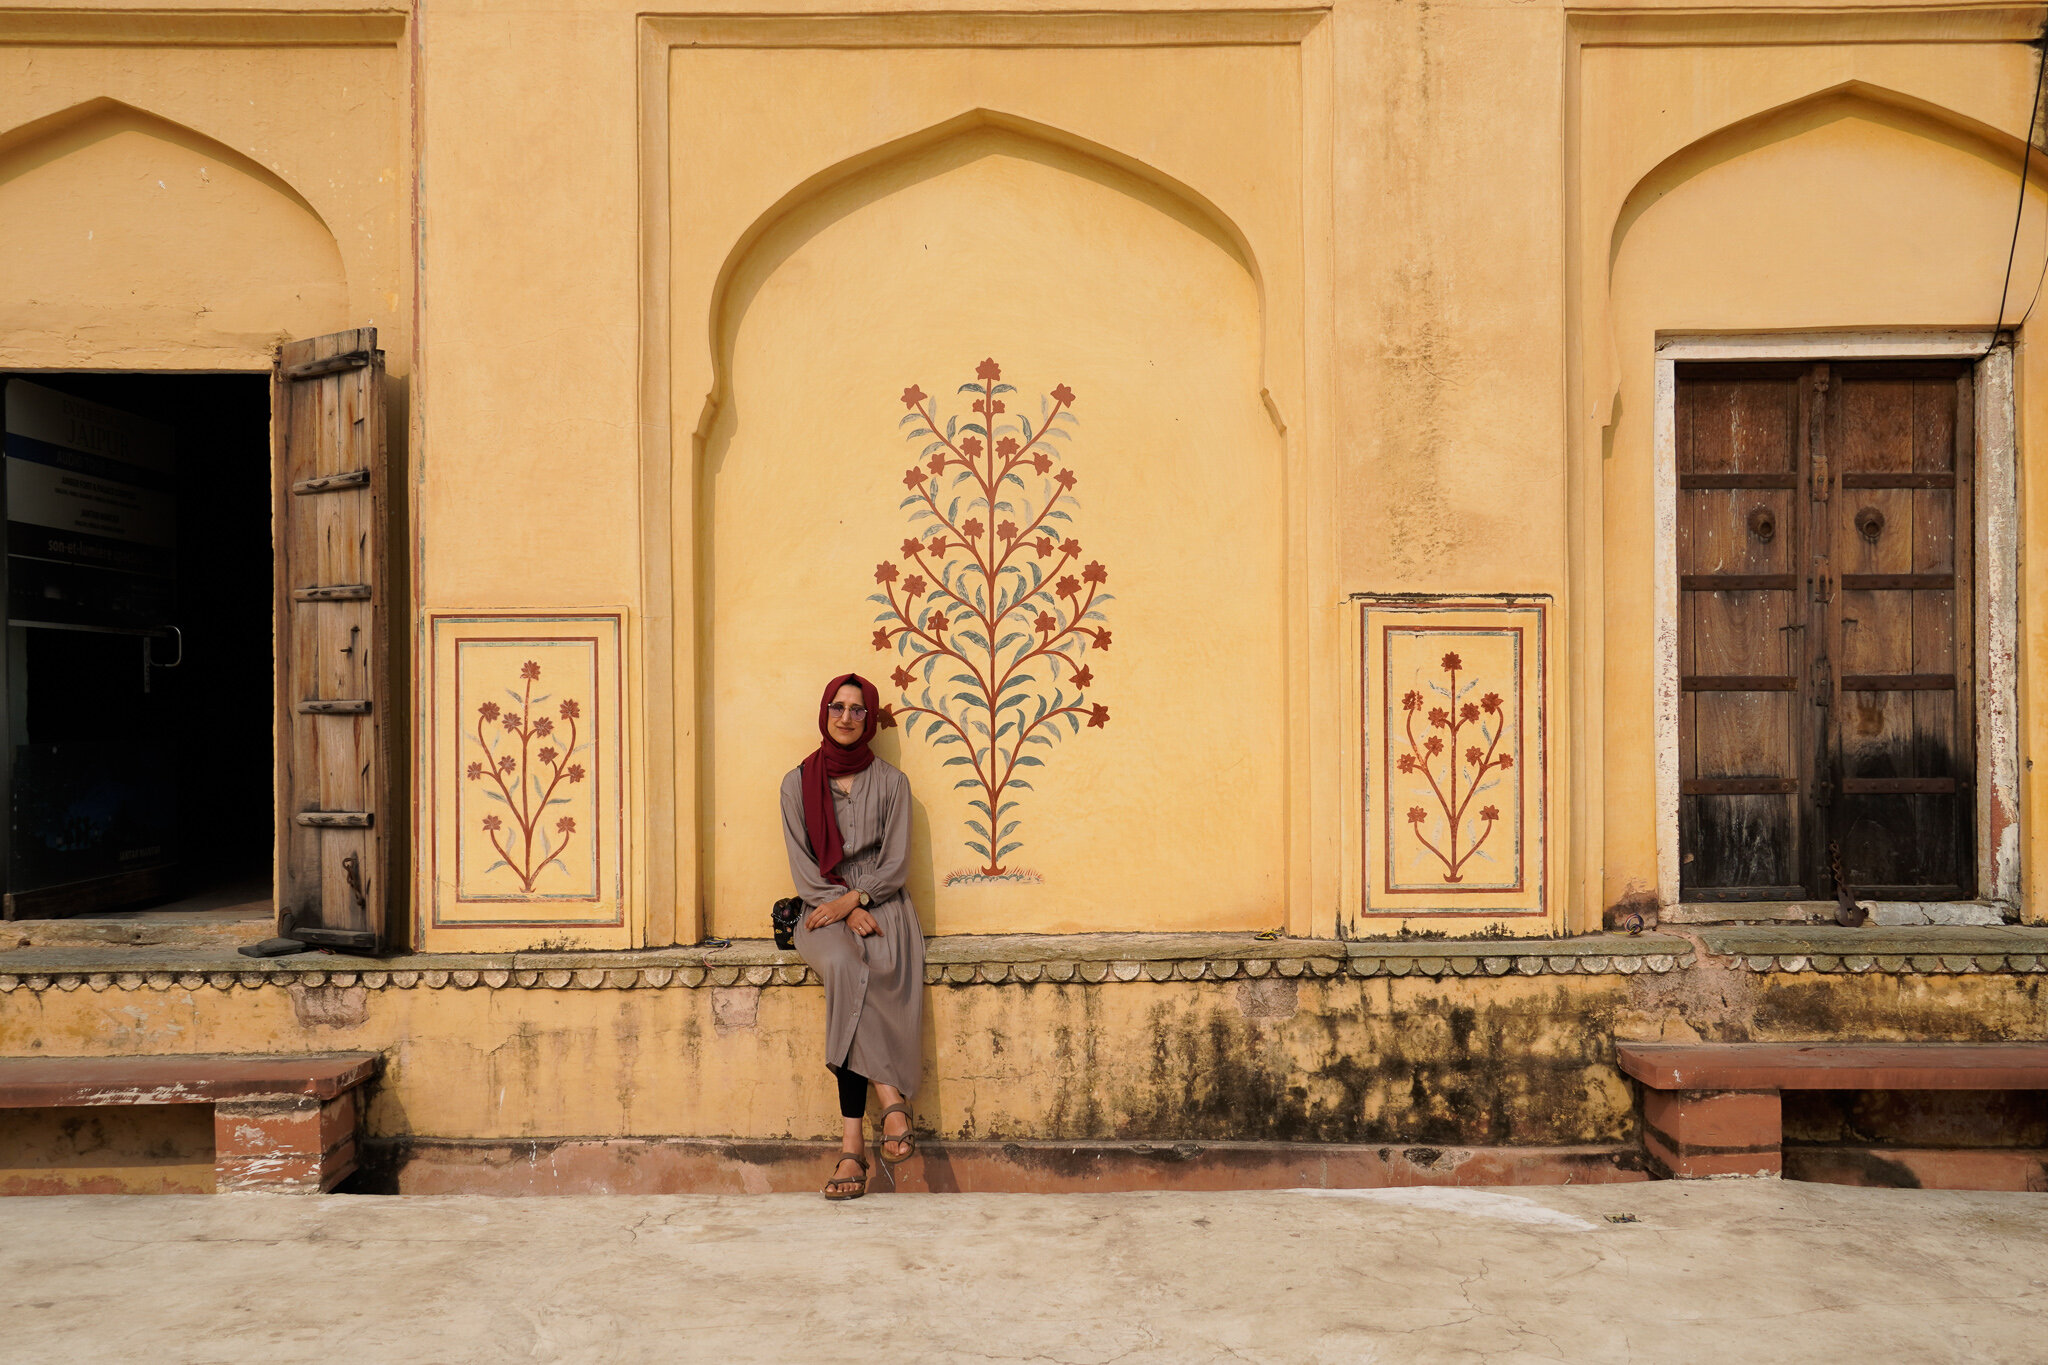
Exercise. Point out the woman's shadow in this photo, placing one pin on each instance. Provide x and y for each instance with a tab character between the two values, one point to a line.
918	879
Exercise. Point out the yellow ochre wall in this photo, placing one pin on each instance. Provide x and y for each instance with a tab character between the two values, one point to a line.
1466	1060
1358	300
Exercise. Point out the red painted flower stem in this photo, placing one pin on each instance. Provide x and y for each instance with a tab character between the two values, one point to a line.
992	555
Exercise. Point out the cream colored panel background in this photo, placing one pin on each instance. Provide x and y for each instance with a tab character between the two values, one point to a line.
1841	212
1065	270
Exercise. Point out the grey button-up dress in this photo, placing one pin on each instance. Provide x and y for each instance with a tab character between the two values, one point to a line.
874	986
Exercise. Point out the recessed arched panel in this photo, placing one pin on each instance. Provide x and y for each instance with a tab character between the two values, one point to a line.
124	232
1847	223
1091	302
1790	207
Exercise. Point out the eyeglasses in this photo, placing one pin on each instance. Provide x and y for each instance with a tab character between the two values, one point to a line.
844	711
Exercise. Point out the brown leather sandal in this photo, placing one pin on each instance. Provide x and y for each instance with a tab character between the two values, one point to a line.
850	1186
887	1139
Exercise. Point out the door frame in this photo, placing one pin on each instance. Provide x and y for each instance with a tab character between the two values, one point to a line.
1994	548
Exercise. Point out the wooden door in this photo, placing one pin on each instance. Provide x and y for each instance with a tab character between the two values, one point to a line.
335	772
1824	631
1743	817
1898	622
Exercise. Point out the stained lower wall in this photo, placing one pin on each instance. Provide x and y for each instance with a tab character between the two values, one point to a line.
1450	1045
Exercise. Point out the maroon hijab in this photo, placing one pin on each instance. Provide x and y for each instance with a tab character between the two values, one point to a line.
829	760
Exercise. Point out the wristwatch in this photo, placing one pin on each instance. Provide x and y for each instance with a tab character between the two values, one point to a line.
864	899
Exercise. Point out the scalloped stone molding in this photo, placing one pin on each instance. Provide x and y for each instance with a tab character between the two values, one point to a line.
1089	973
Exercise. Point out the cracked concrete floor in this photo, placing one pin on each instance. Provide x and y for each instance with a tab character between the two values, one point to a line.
1744	1272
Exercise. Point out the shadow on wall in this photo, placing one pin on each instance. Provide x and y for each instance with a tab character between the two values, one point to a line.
921	881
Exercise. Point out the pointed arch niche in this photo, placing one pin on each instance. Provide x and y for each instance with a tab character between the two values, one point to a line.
126	232
1855	221
838	206
1066	269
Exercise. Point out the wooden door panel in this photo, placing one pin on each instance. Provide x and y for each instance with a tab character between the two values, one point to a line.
1739	530
1935	424
336	550
1742	426
1737	847
1877	534
1739	622
1877	734
1877	632
1903	720
336	847
1902	847
1932	519
1876	427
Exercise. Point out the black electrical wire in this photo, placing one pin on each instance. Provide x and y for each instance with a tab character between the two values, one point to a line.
2012	249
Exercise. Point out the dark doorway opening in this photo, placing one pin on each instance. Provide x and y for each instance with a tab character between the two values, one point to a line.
138	648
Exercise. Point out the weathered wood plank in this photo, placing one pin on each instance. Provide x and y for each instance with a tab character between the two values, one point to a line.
333	768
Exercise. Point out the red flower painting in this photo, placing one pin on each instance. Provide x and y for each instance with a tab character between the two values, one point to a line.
1453	785
995	647
526	781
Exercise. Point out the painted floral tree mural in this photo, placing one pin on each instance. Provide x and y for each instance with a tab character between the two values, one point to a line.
992	611
1487	717
527	758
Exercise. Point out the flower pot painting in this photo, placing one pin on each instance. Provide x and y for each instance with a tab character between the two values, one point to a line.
529	764
528	758
1454	732
524	776
991	606
1485	721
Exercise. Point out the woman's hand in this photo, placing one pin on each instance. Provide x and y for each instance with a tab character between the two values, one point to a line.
833	911
862	923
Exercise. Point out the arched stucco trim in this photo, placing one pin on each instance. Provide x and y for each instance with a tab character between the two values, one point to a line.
43	140
1849	99
1202	212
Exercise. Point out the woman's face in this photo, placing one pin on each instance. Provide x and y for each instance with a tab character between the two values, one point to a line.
847	717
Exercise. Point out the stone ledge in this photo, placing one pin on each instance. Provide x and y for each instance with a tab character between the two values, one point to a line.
976	959
1078	959
1931	950
160	931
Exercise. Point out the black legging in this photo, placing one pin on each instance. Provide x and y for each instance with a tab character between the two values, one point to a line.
853	1092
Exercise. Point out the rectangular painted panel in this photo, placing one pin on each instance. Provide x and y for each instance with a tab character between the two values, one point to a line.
1456	757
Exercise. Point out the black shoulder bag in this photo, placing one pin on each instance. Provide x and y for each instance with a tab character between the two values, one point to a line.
784	916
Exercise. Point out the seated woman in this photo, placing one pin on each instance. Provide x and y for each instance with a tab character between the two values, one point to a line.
846	820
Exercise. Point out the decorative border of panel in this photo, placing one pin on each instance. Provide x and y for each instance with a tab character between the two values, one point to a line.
1455	743
526	774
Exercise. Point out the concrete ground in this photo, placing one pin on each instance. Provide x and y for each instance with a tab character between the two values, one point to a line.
1728	1273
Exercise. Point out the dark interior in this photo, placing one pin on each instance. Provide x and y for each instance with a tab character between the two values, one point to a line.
190	754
